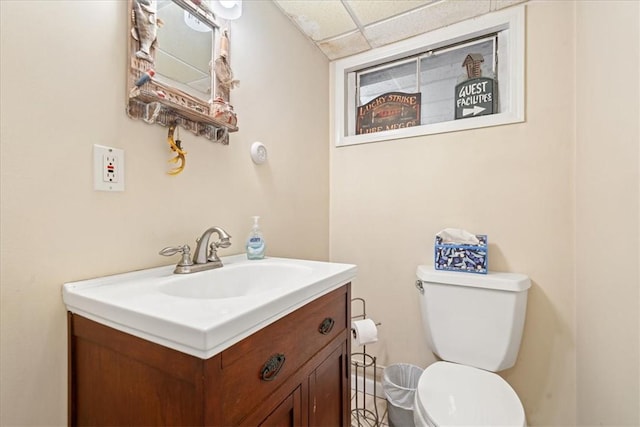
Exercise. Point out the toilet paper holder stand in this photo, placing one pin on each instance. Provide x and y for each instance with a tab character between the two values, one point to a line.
362	362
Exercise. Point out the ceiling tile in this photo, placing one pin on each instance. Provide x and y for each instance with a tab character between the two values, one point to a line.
427	18
501	4
340	47
318	19
368	12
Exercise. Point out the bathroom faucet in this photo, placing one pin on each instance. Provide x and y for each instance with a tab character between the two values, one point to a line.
202	256
206	255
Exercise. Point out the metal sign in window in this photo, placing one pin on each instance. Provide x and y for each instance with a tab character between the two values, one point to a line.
394	110
474	97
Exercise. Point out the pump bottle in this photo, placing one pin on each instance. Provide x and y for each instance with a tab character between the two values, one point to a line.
255	242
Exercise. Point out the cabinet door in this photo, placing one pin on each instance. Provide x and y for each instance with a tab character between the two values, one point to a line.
328	391
287	414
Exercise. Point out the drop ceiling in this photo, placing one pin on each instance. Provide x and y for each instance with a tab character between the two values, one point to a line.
342	28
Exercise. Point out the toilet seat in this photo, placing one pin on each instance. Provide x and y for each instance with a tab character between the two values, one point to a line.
449	394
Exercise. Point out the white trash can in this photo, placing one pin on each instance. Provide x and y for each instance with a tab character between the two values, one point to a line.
399	383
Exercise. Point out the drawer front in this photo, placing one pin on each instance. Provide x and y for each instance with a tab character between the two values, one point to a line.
256	366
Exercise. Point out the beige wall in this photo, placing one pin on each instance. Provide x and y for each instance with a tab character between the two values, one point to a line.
607	215
517	184
546	191
63	83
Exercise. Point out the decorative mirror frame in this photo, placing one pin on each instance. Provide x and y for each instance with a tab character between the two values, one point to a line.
156	102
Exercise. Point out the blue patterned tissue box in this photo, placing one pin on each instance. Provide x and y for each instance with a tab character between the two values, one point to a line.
464	258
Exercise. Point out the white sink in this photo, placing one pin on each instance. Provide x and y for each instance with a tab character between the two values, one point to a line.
236	280
206	312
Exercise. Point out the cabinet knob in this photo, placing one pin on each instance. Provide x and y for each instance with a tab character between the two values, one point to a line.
326	326
272	367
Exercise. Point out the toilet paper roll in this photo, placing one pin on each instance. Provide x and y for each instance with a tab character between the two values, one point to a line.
365	331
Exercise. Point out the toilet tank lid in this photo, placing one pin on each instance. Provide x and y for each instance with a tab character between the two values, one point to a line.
513	282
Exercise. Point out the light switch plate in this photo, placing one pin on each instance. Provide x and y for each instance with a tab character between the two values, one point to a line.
108	168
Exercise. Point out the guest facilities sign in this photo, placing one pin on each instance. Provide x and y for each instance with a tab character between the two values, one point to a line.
475	97
393	110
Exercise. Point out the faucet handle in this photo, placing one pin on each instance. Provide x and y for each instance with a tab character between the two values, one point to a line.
185	250
213	248
213	253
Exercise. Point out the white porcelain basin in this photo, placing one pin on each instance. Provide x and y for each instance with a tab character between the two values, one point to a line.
203	313
235	281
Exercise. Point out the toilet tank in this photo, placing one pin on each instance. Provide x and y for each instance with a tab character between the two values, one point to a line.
473	319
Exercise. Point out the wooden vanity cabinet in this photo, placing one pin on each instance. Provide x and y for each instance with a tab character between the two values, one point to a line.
294	372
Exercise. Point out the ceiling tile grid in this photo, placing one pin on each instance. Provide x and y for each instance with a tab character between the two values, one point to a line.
431	17
343	28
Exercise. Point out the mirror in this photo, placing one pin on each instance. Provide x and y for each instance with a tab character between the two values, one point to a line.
173	46
184	50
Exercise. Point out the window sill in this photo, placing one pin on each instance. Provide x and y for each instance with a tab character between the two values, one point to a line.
435	128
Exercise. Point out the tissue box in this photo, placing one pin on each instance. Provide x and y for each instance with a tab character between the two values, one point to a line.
465	258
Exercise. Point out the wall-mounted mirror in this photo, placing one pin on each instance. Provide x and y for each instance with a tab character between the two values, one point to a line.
185	50
173	46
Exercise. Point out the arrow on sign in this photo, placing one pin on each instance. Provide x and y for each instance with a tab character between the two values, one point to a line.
475	110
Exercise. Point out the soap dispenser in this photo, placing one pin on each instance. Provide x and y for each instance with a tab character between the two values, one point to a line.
255	241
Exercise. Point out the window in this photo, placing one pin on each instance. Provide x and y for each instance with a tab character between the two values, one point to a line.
428	69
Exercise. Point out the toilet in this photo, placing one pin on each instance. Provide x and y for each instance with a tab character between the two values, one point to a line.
473	323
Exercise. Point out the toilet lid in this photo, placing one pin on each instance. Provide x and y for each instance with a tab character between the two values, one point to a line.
449	394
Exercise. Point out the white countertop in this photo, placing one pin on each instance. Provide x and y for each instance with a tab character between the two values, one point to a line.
137	302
